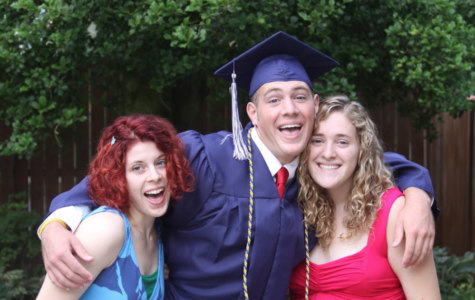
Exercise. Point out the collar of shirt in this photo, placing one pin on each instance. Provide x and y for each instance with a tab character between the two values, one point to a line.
272	162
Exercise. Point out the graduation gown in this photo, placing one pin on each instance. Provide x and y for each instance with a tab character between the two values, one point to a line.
205	232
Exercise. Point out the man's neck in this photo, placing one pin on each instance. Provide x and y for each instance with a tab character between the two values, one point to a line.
271	160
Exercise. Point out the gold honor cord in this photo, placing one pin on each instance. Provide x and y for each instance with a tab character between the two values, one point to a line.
251	204
249	228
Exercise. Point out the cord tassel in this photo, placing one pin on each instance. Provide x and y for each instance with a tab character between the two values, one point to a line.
240	151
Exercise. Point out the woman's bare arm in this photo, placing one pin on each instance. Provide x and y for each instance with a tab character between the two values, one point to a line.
102	235
419	282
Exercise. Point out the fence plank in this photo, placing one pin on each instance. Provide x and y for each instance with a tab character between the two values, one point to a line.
67	170
51	174
36	186
20	173
452	192
403	137
472	178
434	161
6	168
387	126
417	146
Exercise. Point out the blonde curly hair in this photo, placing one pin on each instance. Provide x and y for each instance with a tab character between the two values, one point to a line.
371	177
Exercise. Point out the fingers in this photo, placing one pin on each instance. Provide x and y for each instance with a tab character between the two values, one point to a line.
424	241
418	246
62	277
419	229
78	249
415	252
58	245
56	282
66	272
427	245
408	251
50	272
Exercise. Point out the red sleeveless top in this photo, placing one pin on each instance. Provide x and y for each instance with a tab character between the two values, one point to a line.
366	274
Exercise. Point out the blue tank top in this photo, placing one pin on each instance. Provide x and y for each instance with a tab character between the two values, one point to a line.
122	279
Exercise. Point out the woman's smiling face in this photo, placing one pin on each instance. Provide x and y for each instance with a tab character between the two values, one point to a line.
333	152
145	172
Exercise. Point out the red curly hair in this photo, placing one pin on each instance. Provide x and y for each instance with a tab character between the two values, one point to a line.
107	182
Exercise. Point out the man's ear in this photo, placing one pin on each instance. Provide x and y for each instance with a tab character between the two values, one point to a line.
316	99
251	110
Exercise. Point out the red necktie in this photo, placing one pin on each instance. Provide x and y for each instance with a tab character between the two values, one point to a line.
280	180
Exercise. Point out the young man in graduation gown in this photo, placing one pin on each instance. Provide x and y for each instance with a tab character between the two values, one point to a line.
238	235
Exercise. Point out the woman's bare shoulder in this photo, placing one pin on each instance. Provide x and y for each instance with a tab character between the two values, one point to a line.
102	234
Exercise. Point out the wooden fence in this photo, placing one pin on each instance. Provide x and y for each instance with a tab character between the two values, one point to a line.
450	160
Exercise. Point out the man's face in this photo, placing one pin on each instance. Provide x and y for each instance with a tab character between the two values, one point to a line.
284	116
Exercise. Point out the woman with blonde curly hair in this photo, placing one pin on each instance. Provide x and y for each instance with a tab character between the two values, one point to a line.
350	201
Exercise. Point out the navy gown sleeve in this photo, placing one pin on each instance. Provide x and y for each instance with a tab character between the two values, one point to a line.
78	195
183	210
410	174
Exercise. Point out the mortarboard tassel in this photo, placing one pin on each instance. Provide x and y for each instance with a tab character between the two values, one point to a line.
240	151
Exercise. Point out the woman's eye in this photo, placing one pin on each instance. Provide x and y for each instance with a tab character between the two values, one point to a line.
343	143
161	163
137	168
317	141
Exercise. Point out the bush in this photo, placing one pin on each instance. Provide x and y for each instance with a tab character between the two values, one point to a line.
455	274
18	242
417	54
15	285
20	277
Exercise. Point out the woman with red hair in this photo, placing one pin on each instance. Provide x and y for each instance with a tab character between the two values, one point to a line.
140	165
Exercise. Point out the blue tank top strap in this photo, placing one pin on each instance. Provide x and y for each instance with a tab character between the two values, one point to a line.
106	209
159	290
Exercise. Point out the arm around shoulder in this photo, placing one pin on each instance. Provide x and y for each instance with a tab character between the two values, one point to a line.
69	207
102	235
69	217
419	282
78	195
408	173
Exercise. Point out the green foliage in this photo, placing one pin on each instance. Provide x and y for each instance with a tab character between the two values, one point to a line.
456	274
465	291
15	285
18	242
157	56
19	248
432	58
415	53
39	73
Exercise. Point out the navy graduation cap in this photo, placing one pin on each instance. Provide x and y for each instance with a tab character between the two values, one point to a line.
277	58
